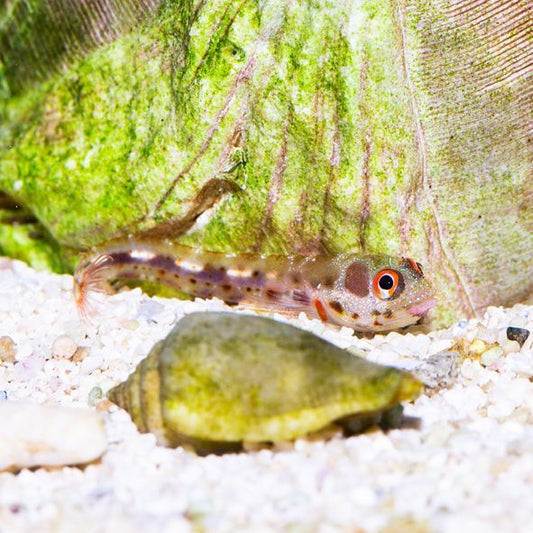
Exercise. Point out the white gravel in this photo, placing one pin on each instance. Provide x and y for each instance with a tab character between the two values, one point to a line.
468	467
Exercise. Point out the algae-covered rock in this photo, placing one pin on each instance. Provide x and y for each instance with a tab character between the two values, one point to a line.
220	378
378	126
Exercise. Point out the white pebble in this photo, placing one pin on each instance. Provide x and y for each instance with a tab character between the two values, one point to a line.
36	435
491	355
24	350
64	347
91	363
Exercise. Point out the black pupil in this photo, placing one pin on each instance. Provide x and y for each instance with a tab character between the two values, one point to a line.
386	282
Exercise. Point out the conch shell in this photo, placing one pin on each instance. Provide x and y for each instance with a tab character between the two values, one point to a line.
219	379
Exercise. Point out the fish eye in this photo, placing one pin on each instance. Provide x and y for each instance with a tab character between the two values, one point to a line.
388	284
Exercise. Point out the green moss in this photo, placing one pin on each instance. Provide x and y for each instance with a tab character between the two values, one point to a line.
22	243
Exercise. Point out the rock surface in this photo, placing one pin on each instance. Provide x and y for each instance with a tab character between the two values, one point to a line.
276	127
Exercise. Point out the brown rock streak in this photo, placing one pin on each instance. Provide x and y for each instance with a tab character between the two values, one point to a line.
243	76
367	152
276	181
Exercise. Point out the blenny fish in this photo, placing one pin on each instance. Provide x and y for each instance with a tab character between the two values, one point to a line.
364	292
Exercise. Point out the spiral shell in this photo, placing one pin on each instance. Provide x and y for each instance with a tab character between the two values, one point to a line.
220	378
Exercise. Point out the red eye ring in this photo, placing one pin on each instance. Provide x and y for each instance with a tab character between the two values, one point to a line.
386	284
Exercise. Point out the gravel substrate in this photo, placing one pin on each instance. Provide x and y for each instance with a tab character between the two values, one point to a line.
462	463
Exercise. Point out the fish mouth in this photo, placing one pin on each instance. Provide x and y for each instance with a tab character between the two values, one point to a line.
421	308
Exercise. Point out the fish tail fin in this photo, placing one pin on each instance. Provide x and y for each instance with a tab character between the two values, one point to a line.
90	281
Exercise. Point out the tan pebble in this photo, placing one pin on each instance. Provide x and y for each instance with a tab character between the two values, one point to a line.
522	416
7	349
254	446
80	354
64	347
284	446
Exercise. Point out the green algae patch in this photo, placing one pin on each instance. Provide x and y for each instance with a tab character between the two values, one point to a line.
29	243
94	152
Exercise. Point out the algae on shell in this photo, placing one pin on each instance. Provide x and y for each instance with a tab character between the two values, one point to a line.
381	126
221	378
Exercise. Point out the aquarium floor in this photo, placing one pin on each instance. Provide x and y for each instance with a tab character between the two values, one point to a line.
464	463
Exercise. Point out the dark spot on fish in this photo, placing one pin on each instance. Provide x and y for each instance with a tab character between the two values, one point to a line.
272	294
356	281
255	273
519	335
209	273
161	272
375	312
328	282
207	284
300	296
226	287
162	263
377	323
122	258
204	293
296	277
193	281
336	306
388	313
248	289
355	316
231	303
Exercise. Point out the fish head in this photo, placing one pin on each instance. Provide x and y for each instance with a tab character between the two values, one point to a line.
377	293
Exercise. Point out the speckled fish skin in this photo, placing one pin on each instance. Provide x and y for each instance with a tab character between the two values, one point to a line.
226	378
341	289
